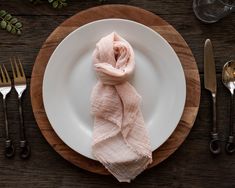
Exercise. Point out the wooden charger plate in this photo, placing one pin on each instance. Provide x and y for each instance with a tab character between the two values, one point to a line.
125	12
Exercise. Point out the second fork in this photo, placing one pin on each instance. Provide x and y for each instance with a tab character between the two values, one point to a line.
20	87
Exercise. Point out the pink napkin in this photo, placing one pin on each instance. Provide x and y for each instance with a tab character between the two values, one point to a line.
120	140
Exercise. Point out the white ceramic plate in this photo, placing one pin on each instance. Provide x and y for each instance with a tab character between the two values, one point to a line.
69	79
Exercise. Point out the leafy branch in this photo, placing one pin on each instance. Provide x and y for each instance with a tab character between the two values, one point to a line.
55	3
10	23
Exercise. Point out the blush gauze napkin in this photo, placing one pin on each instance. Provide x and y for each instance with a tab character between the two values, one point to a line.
120	139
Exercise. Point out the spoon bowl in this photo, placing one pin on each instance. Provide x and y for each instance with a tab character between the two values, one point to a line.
228	75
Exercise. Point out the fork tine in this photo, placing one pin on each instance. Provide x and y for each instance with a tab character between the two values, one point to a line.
6	73
17	68
21	67
12	67
2	73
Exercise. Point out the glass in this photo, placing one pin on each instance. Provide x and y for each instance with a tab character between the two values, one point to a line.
210	11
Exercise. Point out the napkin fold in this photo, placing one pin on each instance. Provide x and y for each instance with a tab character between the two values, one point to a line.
120	139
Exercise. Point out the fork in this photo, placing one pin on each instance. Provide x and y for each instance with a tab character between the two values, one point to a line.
20	87
5	88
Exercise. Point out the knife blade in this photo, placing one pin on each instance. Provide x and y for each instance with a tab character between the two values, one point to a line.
209	67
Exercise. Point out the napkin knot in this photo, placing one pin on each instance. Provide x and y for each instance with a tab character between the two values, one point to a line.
113	59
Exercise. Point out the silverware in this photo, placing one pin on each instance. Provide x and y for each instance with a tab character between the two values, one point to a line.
211	85
20	86
5	88
228	78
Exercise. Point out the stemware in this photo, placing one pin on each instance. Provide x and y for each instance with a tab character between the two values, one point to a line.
210	11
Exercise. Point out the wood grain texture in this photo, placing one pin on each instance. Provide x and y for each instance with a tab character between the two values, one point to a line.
141	16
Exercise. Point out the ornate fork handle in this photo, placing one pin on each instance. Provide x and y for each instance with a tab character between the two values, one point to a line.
9	147
24	145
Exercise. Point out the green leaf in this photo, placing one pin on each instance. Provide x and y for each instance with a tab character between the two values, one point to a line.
8	17
10	23
55	4
2	13
13	20
9	27
13	31
19	32
18	25
3	24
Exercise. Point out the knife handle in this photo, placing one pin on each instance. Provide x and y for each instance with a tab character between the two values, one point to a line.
215	147
214	128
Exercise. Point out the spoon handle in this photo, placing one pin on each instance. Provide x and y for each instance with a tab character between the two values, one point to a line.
230	145
231	115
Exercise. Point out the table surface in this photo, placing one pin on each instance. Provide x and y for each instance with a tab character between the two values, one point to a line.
191	165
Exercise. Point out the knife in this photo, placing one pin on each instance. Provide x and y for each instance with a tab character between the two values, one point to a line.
211	85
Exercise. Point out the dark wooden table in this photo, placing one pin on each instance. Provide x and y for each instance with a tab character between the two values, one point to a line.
190	166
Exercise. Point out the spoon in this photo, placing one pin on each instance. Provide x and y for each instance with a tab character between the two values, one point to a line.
228	78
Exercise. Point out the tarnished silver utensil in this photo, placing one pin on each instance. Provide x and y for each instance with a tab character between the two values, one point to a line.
211	85
5	88
20	86
228	78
